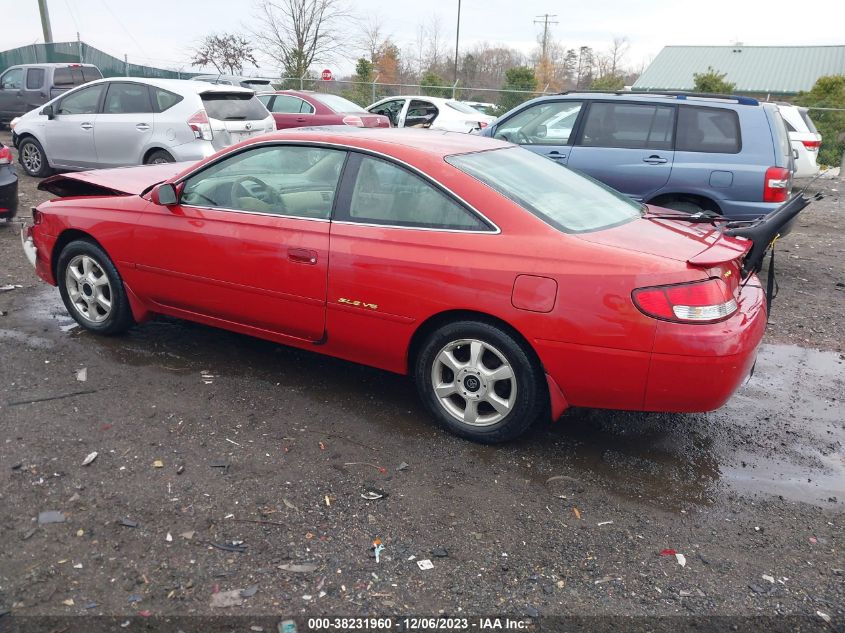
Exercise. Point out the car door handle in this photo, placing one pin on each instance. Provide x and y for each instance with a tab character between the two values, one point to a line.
556	155
86	126
302	255
655	160
143	127
301	120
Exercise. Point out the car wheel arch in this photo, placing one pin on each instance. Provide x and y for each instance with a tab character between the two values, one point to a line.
149	151
66	237
705	202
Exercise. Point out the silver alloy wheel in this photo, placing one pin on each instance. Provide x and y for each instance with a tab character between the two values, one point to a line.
474	382
161	160
88	288
31	158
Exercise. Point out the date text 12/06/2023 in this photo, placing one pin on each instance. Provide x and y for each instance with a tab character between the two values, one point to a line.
419	624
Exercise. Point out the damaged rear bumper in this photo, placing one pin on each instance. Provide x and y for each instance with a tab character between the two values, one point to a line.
28	244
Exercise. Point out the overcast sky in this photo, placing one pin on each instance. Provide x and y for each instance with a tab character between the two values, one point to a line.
161	32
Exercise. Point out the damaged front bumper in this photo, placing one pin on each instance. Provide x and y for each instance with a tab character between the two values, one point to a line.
28	244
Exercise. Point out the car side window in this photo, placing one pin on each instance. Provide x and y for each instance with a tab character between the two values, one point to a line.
713	130
385	193
126	98
164	99
278	180
82	101
420	114
12	80
265	99
547	123
288	104
34	78
390	109
629	126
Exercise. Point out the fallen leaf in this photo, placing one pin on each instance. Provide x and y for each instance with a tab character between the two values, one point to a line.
577	513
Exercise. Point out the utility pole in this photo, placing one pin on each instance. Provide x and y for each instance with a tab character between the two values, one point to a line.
45	21
545	22
457	41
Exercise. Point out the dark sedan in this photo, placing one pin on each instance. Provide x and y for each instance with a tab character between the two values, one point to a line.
8	185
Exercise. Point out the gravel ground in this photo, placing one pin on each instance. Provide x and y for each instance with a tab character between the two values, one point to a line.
206	439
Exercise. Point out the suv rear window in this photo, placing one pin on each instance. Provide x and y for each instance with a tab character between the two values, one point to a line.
806	117
233	106
712	130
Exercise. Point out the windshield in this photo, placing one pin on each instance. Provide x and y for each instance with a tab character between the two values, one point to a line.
338	104
570	202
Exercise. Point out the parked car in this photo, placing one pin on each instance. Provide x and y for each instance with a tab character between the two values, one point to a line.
431	112
28	86
804	137
729	155
508	287
253	83
131	121
8	185
298	108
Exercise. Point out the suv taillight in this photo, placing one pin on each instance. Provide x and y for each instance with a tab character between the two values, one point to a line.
776	184
696	302
354	121
200	126
5	156
813	146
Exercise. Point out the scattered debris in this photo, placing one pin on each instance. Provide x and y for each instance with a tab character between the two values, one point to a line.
89	458
207	377
378	548
383	471
17	403
605	523
127	523
249	592
668	552
158	464
68	602
232	441
9	287
299	568
682	560
289	504
91	605
601	581
425	564
823	616
28	534
189	535
169	537
439	552
82	374
577	513
328	501
80	532
768	578
145	613
135	597
224	599
68	327
371	495
50	516
403	466
180	469
235	546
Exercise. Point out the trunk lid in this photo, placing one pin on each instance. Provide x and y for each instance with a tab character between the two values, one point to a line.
235	116
121	181
371	120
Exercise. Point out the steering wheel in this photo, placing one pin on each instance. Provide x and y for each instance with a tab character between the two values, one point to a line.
267	193
521	138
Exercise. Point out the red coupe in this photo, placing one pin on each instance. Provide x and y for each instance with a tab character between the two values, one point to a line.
299	108
507	285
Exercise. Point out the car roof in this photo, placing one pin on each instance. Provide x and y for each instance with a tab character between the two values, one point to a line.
435	100
434	143
667	97
177	85
55	65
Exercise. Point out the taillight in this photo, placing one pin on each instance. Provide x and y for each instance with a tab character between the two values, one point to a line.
696	302
354	121
482	124
812	146
200	126
776	184
5	156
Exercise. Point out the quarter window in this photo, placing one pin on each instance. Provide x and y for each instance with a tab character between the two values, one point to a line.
83	101
124	98
714	130
547	123
629	126
34	78
12	80
387	194
278	180
164	99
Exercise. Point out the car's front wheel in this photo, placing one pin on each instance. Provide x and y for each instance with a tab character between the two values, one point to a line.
480	382
159	157
32	158
92	289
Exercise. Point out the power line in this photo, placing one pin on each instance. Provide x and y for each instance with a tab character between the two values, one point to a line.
545	22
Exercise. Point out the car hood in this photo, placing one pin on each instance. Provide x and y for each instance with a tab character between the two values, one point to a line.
699	244
131	181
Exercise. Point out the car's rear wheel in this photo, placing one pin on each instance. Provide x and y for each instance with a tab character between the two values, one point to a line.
159	157
92	289
480	382
32	158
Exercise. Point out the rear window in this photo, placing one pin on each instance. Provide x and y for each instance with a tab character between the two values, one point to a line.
90	73
234	106
75	75
570	202
461	107
712	130
806	118
338	104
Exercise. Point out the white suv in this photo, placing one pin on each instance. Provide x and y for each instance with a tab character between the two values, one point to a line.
132	121
804	137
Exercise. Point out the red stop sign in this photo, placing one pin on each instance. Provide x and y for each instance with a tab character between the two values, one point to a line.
326	75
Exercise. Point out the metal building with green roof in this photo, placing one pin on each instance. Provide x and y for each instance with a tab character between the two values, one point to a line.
774	70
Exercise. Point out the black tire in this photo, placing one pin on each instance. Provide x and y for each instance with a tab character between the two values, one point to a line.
530	401
158	157
32	158
119	317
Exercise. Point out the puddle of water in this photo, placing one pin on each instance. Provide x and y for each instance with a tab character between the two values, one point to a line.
782	434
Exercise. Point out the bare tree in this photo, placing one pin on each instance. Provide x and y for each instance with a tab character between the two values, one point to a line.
372	36
299	33
616	54
226	52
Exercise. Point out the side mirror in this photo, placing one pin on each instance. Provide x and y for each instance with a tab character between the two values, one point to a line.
164	195
48	112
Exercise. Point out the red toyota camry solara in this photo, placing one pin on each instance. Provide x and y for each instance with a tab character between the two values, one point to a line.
508	286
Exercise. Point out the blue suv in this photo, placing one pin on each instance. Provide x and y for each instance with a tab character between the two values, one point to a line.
686	151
